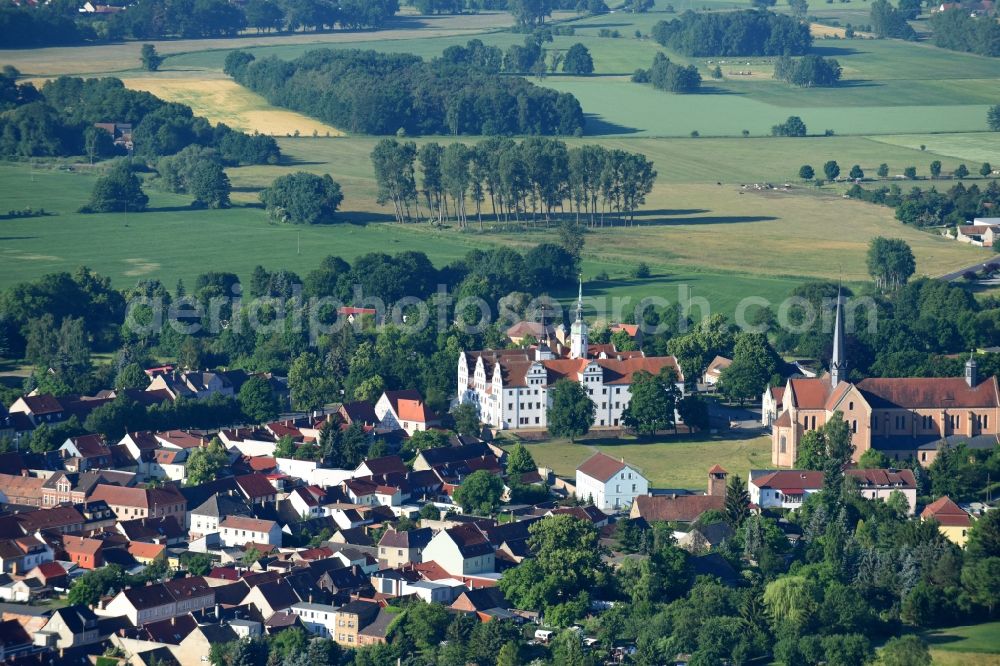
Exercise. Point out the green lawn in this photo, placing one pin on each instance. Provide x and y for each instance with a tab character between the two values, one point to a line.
667	462
984	638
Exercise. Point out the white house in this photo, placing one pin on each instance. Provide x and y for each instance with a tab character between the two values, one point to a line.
461	550
784	489
238	530
714	370
510	387
404	410
609	483
880	484
318	619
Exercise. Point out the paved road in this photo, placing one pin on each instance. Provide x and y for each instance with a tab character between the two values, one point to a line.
957	275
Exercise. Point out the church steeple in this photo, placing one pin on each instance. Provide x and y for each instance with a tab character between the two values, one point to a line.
838	364
578	333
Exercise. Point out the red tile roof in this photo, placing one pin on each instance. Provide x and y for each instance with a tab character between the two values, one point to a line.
810	392
902	478
937	392
139	549
791	479
682	508
251	524
601	467
946	512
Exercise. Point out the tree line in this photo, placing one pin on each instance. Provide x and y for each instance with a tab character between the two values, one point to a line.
375	93
60	23
738	33
929	207
957	30
522	182
59	120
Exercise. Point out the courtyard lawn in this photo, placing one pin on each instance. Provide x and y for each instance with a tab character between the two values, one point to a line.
667	462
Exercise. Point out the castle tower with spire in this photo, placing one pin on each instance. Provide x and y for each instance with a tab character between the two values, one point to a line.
838	363
578	332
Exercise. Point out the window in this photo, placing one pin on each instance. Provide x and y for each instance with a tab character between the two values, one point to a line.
781	444
618	488
854	426
633	487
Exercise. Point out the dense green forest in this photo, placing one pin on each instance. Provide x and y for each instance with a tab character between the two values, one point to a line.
378	93
955	29
739	33
59	121
60	23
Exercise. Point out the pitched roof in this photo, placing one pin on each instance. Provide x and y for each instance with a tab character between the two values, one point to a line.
244	523
680	508
946	512
470	541
810	392
902	478
385	465
601	467
13	485
141	549
91	446
417	538
409	406
938	392
361	411
81	545
789	479
191	587
148	596
256	486
42	404
171	631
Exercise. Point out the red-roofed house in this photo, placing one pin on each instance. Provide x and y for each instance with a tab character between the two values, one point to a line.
608	482
404	410
784	489
952	520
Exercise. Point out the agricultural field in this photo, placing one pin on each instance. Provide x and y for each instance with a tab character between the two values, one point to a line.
668	462
222	100
723	242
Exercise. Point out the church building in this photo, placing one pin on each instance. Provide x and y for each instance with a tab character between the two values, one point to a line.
904	418
510	387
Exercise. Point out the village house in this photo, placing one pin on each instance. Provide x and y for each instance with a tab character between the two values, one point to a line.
461	550
21	489
609	483
131	503
85	452
404	410
953	521
905	418
714	370
682	508
239	530
205	518
72	626
351	619
396	549
510	387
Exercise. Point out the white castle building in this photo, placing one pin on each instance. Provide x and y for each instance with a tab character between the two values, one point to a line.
510	386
